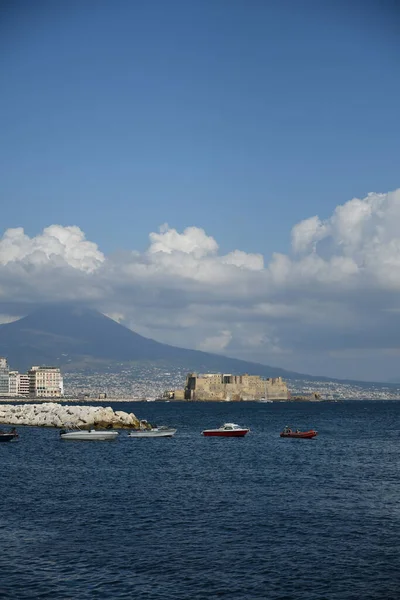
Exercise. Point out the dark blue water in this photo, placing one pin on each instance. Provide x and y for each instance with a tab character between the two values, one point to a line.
193	517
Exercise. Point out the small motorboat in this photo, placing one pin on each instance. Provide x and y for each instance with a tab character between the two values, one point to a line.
88	435
304	435
8	436
226	430
153	432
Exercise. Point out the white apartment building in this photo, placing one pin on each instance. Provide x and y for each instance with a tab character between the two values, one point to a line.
23	384
18	384
45	382
13	383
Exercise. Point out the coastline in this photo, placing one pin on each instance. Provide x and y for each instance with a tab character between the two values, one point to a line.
57	414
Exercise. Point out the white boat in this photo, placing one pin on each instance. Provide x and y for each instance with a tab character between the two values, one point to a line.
162	431
88	435
265	398
226	430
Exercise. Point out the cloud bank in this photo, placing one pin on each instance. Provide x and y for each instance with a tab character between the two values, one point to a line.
331	301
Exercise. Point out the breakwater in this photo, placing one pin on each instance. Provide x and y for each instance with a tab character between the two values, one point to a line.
52	414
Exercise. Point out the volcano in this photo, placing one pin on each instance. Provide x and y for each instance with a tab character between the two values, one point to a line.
80	338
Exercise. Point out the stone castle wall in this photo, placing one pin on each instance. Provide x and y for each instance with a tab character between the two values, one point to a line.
219	387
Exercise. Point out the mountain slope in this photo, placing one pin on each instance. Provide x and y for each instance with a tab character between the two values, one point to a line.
80	337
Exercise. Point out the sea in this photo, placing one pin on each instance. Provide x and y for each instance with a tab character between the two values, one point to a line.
193	518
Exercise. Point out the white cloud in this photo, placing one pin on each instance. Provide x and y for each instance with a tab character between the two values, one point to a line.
8	318
216	343
307	233
117	317
192	241
253	262
338	289
56	243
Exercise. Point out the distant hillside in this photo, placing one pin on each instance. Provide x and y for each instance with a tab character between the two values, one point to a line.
78	338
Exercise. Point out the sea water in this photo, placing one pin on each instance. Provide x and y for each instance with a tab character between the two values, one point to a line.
193	518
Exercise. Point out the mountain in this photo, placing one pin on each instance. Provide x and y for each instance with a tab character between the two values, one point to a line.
79	338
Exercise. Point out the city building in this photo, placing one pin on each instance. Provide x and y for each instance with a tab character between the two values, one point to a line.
13	383
4	377
217	386
23	384
18	384
45	382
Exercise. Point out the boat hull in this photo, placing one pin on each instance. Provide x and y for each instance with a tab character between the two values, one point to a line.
7	437
152	433
219	433
86	436
302	435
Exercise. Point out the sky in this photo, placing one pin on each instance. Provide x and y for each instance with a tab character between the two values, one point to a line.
218	175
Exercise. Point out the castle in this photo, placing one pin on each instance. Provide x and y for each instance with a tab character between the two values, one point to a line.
220	387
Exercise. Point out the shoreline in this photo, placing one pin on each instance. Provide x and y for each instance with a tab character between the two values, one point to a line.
60	415
89	401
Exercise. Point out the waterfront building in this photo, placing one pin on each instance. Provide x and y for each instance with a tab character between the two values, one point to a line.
18	384
23	384
4	377
13	383
45	382
217	386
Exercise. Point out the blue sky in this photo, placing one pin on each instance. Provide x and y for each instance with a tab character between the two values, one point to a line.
242	118
238	117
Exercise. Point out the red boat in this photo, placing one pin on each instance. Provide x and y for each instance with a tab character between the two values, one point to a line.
305	435
226	430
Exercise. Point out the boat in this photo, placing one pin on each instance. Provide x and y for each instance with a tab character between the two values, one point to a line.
88	435
162	431
305	435
265	397
226	430
8	436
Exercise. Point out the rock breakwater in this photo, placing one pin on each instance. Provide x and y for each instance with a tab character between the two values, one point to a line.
52	414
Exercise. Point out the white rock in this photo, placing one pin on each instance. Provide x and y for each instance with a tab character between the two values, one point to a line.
52	414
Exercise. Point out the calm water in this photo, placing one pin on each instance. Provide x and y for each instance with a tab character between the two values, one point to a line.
196	518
